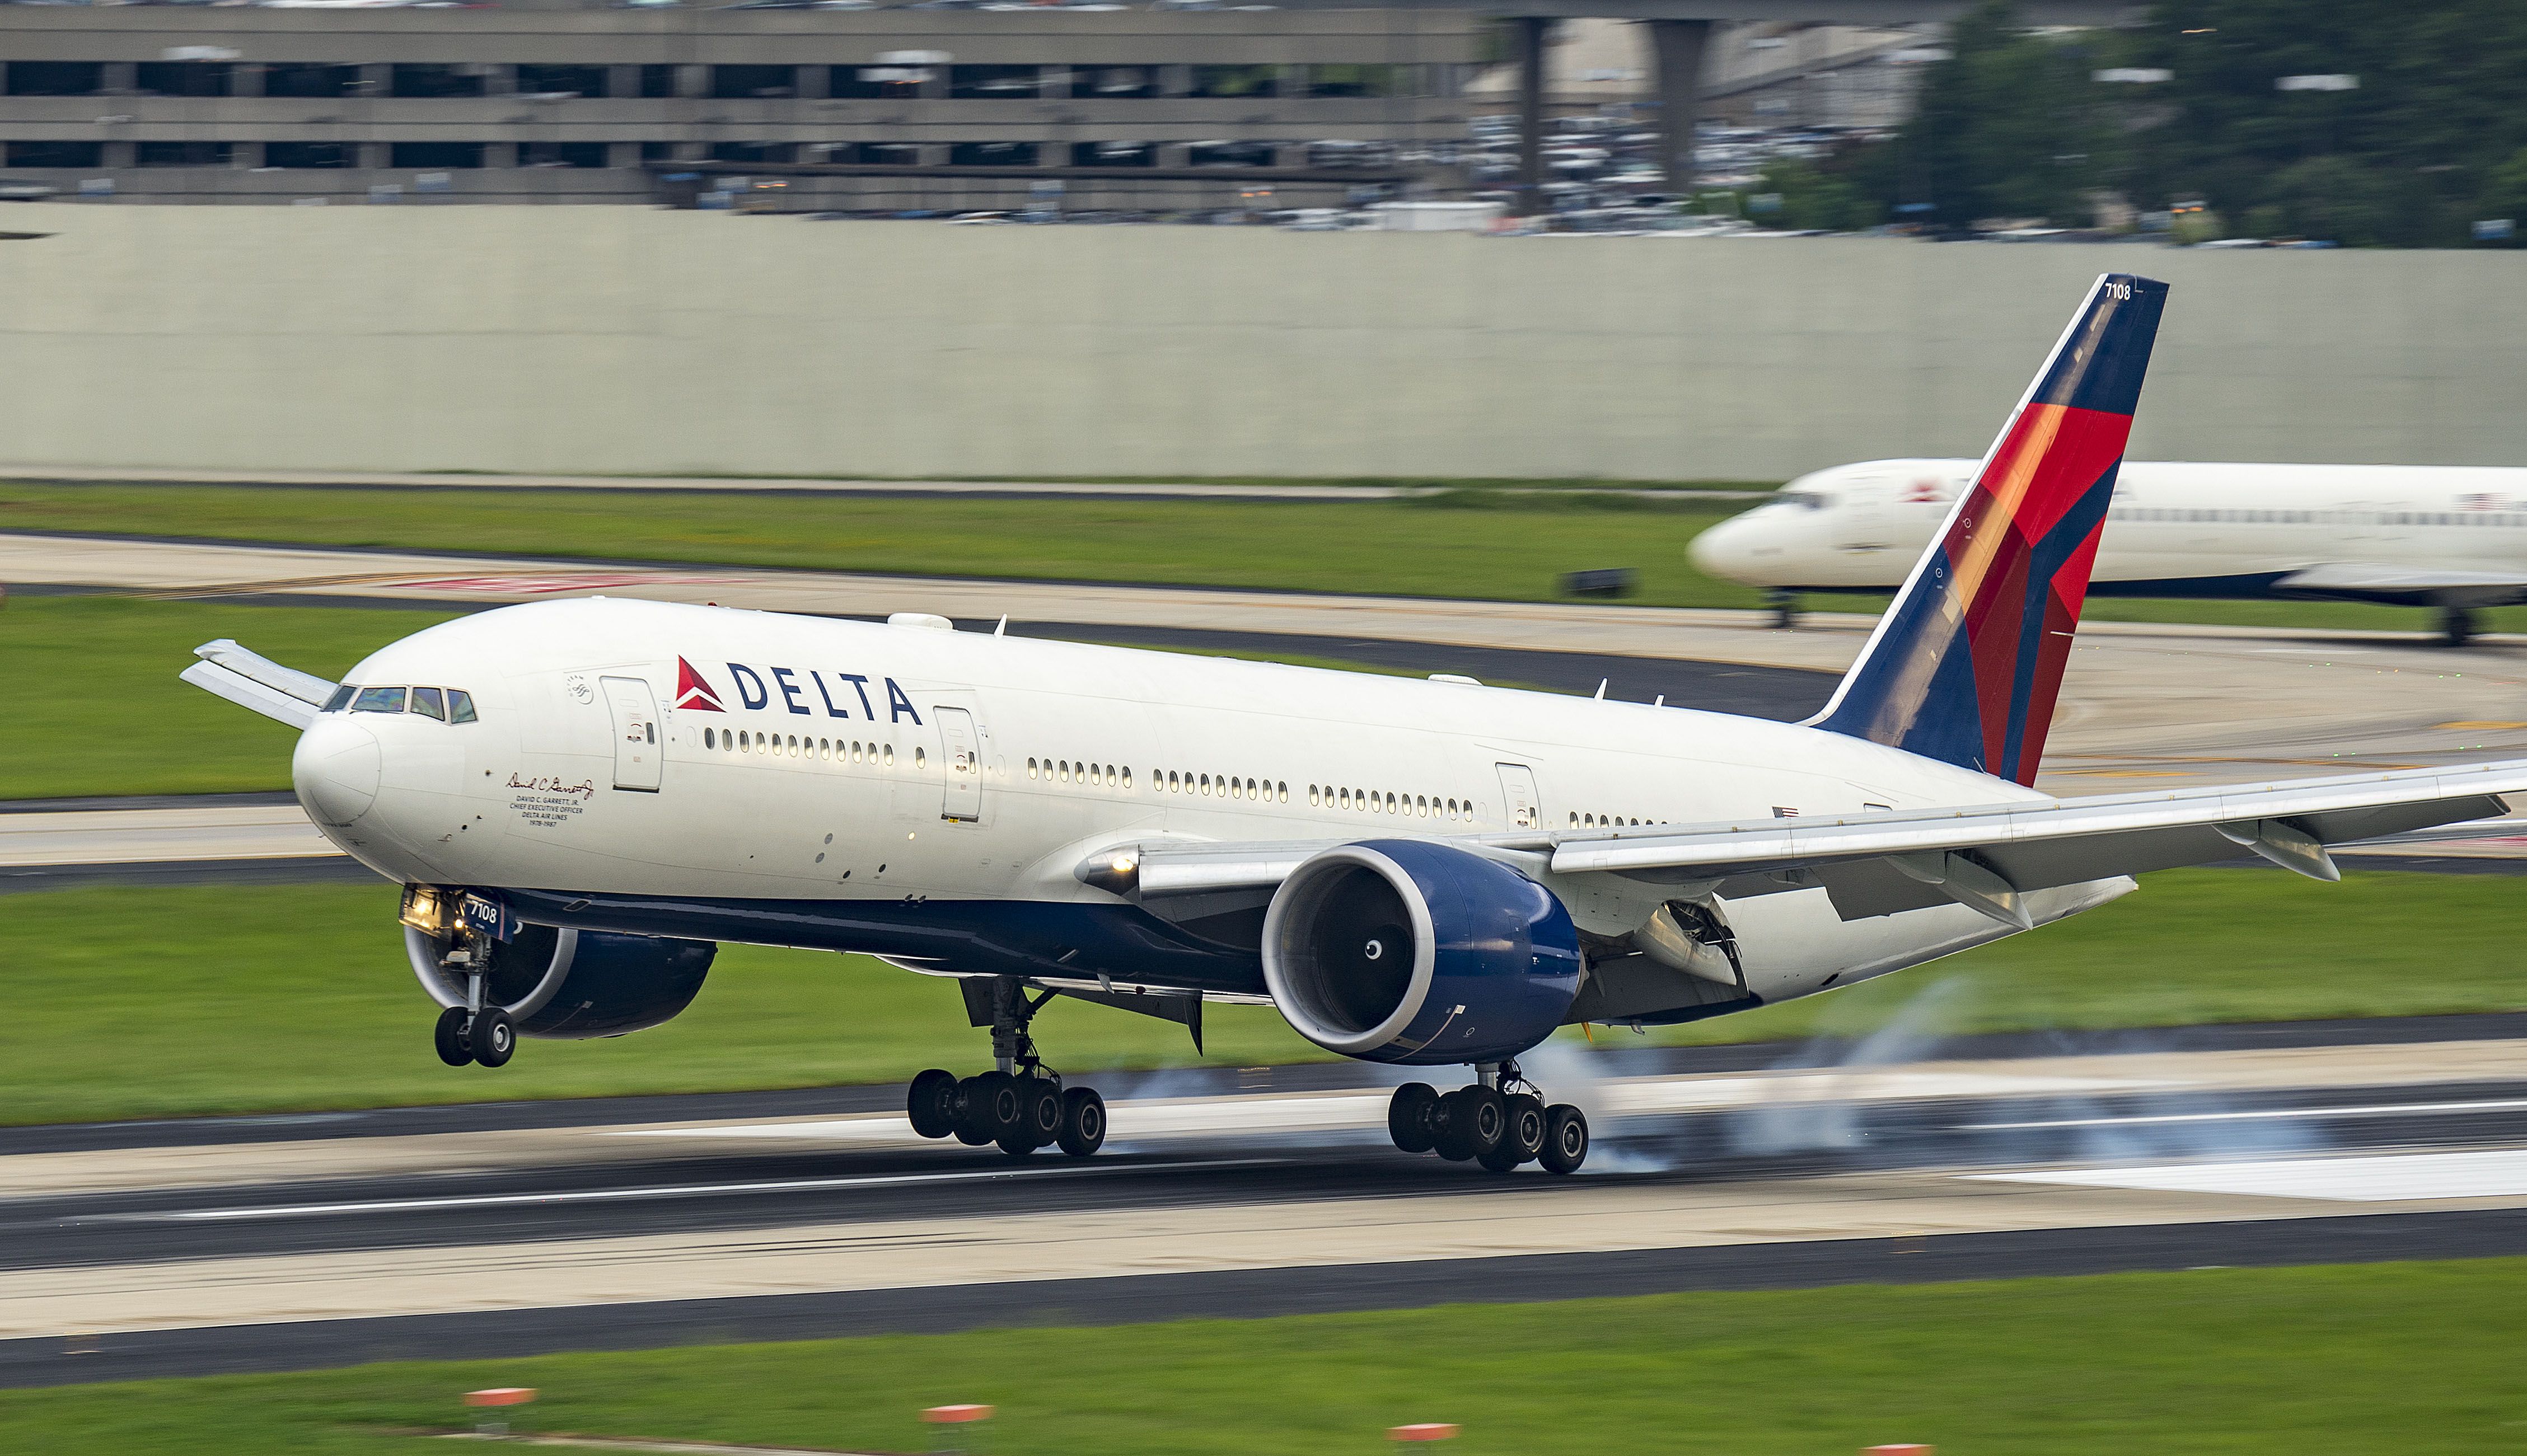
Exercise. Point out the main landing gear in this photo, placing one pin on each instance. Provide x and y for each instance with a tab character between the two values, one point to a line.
1021	1105
2457	625
473	1032
1499	1122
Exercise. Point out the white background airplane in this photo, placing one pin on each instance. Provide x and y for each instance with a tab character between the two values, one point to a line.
2450	538
583	798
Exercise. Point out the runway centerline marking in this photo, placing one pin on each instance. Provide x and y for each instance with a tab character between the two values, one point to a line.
2375	1110
673	1190
2385	1179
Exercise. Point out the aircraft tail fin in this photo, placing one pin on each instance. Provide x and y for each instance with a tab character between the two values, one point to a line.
1966	662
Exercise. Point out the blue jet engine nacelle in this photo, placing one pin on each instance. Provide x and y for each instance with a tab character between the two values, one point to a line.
1410	950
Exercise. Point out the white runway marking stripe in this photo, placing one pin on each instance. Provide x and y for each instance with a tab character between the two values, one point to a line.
2375	1110
2390	1178
667	1190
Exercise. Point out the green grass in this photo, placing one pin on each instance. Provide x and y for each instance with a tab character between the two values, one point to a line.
96	705
2413	1359
1469	541
129	1003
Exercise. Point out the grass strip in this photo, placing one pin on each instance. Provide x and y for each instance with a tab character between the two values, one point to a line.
1460	543
2414	1359
140	1003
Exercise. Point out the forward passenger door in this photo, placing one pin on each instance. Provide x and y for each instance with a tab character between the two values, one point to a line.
634	706
964	766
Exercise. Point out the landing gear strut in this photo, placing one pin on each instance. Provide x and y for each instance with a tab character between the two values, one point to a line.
1020	1104
1786	608
2457	625
473	1032
1500	1120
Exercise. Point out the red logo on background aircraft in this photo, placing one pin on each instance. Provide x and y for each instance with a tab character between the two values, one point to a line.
692	691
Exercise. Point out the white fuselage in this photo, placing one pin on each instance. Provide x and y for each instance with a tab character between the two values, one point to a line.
836	770
2182	528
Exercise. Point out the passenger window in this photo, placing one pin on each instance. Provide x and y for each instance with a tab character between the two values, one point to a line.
920	758
379	701
1127	775
888	762
426	702
746	743
709	741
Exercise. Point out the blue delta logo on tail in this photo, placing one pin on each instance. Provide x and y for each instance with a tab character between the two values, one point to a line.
1965	665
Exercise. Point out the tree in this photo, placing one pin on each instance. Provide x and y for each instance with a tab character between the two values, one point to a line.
2009	125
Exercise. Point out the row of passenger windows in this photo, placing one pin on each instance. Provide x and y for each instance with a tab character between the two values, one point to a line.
1382	801
792	745
1604	821
1065	771
2320	518
1224	786
446	705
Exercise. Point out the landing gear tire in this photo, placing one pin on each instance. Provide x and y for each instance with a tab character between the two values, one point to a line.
1486	1120
448	1036
931	1102
1451	1135
1039	1122
981	1111
1785	609
1413	1117
493	1037
2458	626
1566	1139
1521	1132
1083	1121
1527	1125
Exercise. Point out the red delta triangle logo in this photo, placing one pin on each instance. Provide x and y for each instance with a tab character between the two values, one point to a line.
692	691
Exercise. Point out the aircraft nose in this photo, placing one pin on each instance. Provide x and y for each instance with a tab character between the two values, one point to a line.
1721	550
336	770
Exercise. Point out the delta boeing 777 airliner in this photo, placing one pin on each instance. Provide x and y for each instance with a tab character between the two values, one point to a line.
583	797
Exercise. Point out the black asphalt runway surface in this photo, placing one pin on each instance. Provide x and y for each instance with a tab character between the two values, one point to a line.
1247	1294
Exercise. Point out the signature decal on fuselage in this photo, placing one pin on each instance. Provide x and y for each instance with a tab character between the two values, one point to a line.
545	801
694	690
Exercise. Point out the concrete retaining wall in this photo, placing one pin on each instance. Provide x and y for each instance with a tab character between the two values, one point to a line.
627	340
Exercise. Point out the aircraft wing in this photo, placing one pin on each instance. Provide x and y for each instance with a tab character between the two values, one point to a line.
1986	857
251	681
2406	585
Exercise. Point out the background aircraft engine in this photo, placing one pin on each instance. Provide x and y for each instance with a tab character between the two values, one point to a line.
1406	951
569	984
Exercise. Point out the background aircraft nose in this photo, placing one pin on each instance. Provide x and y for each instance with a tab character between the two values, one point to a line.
336	770
1720	550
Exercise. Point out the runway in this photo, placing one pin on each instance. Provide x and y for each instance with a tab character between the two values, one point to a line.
303	1242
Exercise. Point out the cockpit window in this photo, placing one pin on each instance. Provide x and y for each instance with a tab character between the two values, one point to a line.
428	703
1803	499
340	699
379	701
460	706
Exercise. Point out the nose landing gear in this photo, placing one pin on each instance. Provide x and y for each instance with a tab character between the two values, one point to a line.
473	1032
1501	1121
1021	1105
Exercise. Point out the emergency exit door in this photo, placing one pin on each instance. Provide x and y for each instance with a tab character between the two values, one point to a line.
964	764
636	732
1517	793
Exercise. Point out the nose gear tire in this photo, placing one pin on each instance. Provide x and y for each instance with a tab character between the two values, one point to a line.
493	1037
448	1036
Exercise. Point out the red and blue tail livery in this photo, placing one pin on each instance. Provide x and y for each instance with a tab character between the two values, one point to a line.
1965	665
